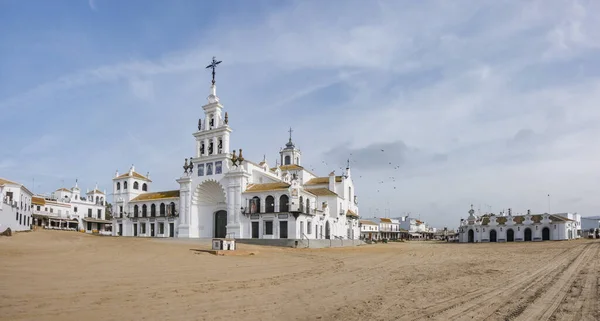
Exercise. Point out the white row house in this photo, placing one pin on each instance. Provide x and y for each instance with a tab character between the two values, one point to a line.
15	206
519	228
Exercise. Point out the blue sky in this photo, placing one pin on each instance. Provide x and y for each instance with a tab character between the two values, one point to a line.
492	103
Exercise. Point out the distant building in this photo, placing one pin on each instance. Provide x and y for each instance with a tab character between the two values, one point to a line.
15	206
529	227
68	209
369	230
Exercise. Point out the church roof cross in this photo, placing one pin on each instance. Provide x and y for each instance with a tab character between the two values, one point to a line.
213	66
290	131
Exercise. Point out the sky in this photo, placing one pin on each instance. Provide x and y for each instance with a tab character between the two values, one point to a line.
438	104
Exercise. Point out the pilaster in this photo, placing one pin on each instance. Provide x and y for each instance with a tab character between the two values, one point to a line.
185	184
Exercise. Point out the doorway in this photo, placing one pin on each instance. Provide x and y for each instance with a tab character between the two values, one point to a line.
527	234
327	231
135	230
220	224
510	235
152	229
493	236
545	234
121	229
471	236
283	229
255	226
171	229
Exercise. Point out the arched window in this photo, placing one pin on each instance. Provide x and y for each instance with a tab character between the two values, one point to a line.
308	205
135	211
269	204
255	205
136	185
144	187
301	207
162	209
287	160
97	200
152	210
172	208
144	210
118	186
124	185
350	193
284	203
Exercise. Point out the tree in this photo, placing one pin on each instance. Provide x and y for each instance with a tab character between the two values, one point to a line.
108	211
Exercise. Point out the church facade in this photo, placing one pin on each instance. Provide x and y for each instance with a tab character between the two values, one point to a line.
223	195
519	228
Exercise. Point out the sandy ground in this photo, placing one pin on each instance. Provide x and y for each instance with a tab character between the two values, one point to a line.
56	275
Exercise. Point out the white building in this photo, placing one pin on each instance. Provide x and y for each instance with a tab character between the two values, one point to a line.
68	209
416	228
591	226
221	194
369	230
15	208
389	228
529	227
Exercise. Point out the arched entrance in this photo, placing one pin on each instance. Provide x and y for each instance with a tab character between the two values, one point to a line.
493	236
208	206
220	230
327	231
545	234
471	236
510	235
527	234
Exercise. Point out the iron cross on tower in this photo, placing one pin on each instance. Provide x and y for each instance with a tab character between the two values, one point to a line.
290	131
213	65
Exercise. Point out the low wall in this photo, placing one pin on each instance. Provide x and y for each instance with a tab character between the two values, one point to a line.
296	243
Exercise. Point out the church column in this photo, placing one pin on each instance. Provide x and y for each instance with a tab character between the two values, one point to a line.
205	146
230	204
215	144
184	209
238	203
226	143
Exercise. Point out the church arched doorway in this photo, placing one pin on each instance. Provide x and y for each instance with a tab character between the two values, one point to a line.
510	235
327	231
493	236
545	234
471	236
527	234
220	224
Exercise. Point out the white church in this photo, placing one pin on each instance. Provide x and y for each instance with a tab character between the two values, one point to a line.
223	195
519	228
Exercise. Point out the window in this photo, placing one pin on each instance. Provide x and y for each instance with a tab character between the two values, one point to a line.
136	185
284	203
124	185
118	186
89	212
144	210
100	213
308	227
144	187
17	217
51	210
38	207
121	210
75	209
161	228
268	227
301	228
172	208
270	204
349	193
308	207
287	160
162	209
152	210
135	211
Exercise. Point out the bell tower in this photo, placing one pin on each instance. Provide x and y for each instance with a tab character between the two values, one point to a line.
212	137
290	155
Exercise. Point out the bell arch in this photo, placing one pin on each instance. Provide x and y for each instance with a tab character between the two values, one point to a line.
210	192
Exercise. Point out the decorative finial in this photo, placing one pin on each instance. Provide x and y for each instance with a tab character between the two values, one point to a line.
213	65
226	118
234	159
185	166
240	158
348	164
